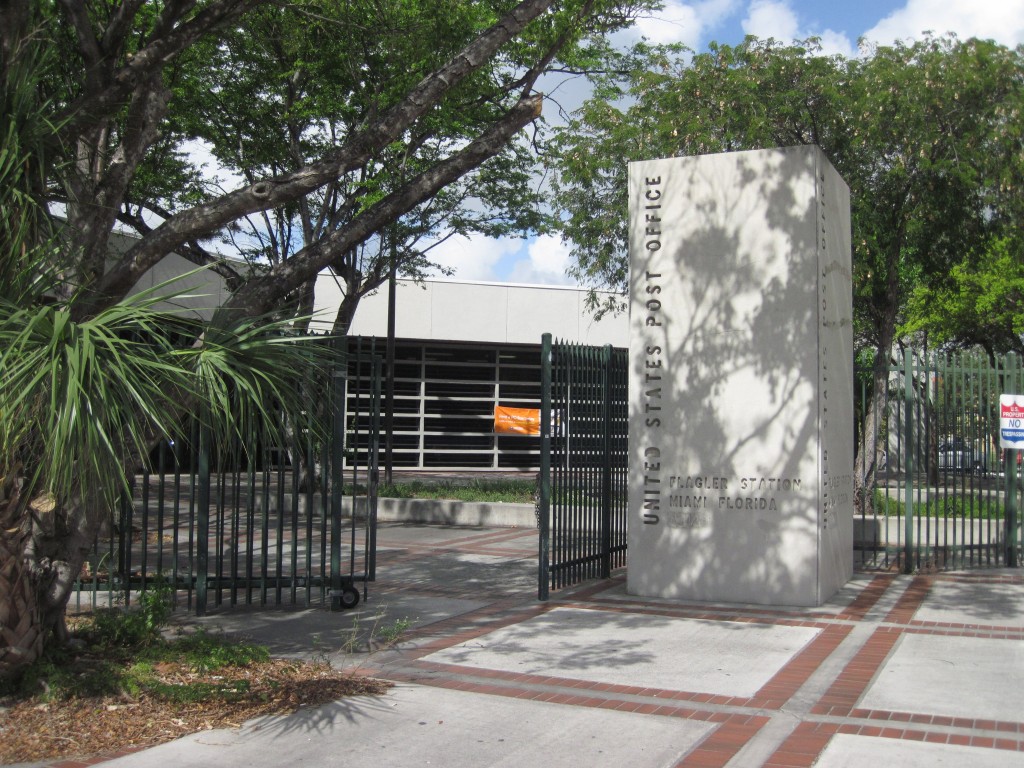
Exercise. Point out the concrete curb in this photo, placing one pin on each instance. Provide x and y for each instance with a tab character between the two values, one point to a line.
447	512
424	511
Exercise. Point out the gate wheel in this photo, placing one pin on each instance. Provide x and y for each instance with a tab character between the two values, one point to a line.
345	599
349	597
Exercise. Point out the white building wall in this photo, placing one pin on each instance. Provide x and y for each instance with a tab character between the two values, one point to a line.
489	313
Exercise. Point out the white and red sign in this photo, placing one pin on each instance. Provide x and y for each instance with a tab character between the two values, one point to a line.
1011	421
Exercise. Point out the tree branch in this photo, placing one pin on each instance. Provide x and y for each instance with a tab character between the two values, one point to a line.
208	218
259	294
101	102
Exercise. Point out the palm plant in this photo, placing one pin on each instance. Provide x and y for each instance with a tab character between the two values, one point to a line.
83	403
83	399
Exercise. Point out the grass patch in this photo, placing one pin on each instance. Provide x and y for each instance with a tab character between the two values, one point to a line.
959	507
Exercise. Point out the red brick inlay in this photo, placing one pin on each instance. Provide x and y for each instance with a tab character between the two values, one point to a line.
911	600
867	599
722	744
787	681
845	692
804	745
994	631
810	739
773	695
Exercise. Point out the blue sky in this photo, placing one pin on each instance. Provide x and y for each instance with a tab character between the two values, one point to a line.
839	24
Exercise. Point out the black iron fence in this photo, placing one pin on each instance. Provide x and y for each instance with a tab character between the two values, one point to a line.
937	492
584	426
252	519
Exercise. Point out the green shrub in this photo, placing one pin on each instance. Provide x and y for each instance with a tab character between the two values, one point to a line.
133	627
958	506
494	491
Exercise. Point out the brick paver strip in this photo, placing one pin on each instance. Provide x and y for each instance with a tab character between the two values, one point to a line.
791	677
843	695
772	696
721	745
804	745
868	598
910	601
964	630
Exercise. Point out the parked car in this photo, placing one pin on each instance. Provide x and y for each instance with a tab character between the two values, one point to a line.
958	455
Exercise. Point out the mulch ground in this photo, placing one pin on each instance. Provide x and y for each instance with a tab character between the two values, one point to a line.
37	730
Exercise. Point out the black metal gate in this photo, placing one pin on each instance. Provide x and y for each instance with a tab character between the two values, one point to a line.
582	493
250	521
938	491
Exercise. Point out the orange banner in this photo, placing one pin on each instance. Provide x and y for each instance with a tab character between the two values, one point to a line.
516	421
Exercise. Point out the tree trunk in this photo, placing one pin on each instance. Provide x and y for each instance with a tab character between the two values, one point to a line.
21	629
869	453
42	550
867	459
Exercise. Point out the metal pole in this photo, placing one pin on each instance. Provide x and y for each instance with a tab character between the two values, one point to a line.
389	395
370	551
337	480
1011	528
908	518
606	462
544	479
203	520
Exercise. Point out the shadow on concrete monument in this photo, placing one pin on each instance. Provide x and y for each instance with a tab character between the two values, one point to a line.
741	388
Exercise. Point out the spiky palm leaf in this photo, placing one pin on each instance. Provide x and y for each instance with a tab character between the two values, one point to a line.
84	401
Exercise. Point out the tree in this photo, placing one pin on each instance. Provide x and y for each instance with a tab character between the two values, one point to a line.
90	94
981	304
926	135
134	57
80	399
277	92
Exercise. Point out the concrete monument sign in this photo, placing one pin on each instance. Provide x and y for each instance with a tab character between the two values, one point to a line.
741	393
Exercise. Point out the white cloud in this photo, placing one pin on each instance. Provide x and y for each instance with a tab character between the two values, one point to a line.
546	263
473	258
777	19
674	23
769	18
686	23
836	43
999	20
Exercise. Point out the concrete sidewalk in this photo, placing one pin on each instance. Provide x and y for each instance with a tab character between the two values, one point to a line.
896	670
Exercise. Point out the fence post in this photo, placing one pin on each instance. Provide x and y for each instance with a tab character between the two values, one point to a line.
202	519
373	475
908	463
1010	471
124	546
337	455
544	479
606	464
